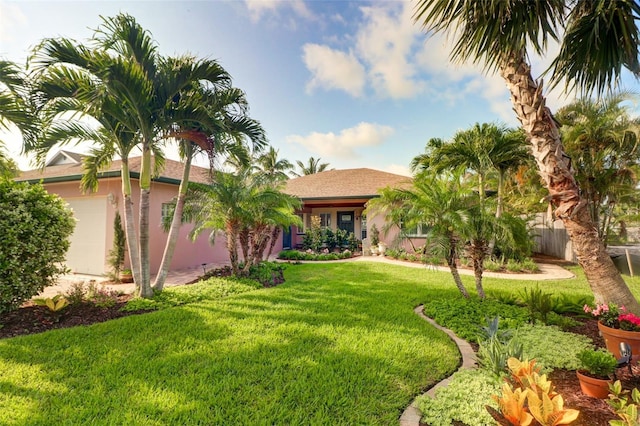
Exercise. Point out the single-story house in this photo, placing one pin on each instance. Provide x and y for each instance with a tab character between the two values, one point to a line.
339	198
93	237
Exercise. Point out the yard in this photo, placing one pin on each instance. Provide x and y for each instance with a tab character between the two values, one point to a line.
336	344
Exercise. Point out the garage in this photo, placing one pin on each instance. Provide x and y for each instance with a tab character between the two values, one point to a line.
87	252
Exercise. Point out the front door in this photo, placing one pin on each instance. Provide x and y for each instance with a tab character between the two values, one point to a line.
345	221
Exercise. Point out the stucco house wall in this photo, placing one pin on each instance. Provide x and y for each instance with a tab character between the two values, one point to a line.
93	239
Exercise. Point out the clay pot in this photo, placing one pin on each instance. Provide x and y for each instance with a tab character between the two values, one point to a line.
613	336
597	388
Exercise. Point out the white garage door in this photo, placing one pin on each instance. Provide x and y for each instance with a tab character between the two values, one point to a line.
86	254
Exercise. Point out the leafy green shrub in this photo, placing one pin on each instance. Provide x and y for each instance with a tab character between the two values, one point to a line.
551	347
528	265
571	304
463	316
538	303
268	274
492	265
463	399
76	293
35	227
513	265
496	347
598	362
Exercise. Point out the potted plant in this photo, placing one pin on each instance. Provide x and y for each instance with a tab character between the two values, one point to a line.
126	276
597	367
616	325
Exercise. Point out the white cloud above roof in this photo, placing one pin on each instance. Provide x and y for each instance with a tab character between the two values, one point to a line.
258	8
346	143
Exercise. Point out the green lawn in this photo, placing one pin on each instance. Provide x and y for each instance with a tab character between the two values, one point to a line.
338	344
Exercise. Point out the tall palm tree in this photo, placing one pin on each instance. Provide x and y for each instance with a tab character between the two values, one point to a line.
313	166
604	143
600	37
122	82
227	133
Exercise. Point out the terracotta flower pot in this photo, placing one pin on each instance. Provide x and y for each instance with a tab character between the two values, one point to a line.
597	388
613	336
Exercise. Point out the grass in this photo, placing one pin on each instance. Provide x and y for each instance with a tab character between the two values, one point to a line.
338	344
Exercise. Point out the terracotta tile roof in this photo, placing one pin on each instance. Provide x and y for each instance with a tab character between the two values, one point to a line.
349	183
73	171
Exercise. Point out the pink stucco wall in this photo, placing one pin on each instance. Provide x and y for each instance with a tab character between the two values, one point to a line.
187	254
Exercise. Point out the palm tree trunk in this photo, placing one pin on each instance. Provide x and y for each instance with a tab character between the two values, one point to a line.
555	168
232	247
172	238
477	258
129	228
452	259
144	287
275	233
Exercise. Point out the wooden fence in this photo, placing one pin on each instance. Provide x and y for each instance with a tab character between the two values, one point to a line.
551	238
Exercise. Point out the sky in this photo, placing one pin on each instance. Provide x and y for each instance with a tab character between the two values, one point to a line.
354	83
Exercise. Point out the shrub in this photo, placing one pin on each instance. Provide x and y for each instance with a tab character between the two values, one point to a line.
552	347
513	265
463	316
538	303
35	228
268	274
76	293
463	399
496	347
528	265
492	265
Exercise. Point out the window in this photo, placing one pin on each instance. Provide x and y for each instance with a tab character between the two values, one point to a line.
325	220
420	230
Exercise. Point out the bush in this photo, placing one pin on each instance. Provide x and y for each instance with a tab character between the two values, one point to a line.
35	227
268	274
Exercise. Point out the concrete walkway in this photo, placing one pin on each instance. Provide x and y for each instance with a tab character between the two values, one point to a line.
548	271
174	278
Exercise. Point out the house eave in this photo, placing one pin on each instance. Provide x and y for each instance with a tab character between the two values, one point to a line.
102	175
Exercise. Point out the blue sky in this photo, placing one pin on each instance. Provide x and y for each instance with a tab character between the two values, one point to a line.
355	83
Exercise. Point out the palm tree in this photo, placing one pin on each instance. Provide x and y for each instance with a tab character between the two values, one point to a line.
272	169
135	94
239	206
438	202
600	37
313	166
227	133
14	110
602	140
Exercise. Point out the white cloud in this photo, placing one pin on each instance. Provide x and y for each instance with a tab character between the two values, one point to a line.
333	69
345	144
384	42
258	8
398	170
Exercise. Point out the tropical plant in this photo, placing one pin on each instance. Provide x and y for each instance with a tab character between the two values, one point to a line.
602	140
598	362
272	169
137	97
54	304
496	347
437	201
313	166
599	38
625	404
35	228
117	253
14	110
227	133
243	209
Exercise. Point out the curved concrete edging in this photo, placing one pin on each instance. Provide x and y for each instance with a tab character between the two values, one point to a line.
411	415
